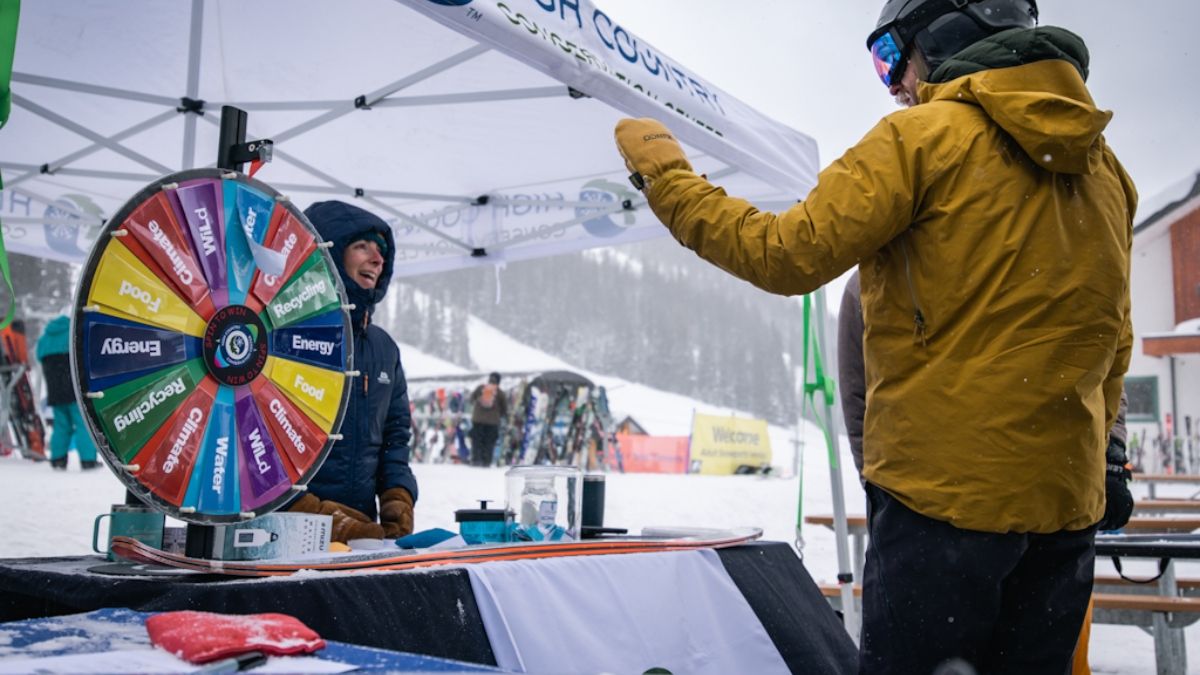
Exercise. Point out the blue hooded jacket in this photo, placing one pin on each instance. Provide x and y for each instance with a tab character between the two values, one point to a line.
56	338
373	454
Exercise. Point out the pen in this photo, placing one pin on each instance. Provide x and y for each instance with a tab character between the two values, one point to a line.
235	663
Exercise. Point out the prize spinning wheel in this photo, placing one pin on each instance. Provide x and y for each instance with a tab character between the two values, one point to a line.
210	347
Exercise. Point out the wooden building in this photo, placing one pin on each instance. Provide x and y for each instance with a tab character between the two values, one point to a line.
1164	374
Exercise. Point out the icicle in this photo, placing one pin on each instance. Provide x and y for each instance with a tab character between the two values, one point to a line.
498	267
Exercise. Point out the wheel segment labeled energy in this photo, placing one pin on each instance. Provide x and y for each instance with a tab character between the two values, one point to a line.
210	347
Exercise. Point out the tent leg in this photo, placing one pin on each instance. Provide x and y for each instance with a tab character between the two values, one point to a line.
846	577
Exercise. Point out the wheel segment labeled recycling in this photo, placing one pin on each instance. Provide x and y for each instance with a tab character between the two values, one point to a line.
213	387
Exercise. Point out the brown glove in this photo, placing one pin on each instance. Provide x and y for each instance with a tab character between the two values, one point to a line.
649	148
348	523
396	512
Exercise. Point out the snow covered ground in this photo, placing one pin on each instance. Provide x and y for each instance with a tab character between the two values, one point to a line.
50	513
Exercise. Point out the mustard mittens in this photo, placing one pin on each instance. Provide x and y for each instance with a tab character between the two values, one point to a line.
396	512
348	523
649	148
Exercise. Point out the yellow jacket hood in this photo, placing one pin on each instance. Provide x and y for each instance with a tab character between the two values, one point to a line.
1044	106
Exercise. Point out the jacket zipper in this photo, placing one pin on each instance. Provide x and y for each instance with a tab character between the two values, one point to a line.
365	375
918	316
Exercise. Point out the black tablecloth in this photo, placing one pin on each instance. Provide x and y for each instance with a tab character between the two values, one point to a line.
426	612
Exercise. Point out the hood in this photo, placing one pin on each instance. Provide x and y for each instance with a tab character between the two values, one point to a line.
56	337
1030	82
341	223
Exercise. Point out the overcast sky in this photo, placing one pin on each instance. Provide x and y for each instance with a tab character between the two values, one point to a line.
805	63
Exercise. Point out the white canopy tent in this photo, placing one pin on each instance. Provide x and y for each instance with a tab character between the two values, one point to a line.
481	129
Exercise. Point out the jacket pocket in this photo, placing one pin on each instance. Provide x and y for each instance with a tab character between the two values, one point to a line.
920	328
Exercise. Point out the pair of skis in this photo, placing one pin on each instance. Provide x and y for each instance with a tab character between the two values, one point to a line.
136	551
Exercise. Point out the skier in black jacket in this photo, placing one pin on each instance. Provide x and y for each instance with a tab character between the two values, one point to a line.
371	459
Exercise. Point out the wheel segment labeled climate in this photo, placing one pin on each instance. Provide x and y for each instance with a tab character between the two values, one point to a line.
209	347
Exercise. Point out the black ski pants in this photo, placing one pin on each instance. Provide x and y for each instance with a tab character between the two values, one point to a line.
1005	603
483	443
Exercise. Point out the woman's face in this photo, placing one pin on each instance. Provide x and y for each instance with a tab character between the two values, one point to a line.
363	263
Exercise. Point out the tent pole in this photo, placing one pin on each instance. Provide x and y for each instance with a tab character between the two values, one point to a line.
85	88
367	100
86	173
419	224
798	456
51	116
841	531
473	97
63	206
327	105
814	337
550	229
58	164
193	83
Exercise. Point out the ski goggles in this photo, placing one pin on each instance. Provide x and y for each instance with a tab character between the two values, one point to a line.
889	59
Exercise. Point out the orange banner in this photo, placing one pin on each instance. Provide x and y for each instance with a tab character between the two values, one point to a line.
653	454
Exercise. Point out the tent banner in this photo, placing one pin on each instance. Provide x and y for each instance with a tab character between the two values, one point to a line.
721	444
653	454
64	229
554	218
580	45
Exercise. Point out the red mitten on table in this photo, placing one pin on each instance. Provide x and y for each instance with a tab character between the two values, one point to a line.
200	637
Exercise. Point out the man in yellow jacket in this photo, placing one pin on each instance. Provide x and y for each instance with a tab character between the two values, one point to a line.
992	227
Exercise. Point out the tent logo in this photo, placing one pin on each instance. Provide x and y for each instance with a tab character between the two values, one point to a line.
70	237
604	193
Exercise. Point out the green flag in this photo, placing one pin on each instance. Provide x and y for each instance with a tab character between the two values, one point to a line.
9	10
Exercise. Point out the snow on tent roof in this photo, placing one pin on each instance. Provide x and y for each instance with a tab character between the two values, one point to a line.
482	132
558	378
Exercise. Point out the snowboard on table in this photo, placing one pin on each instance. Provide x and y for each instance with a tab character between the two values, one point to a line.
399	559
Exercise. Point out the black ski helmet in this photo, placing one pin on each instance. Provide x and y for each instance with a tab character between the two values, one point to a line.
942	28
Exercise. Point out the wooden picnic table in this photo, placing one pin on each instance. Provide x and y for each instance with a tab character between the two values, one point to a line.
856	526
1152	480
1161	524
1159	506
1166	477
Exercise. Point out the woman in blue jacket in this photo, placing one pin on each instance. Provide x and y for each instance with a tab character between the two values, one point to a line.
371	459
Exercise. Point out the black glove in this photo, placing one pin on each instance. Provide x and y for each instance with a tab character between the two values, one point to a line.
1118	501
